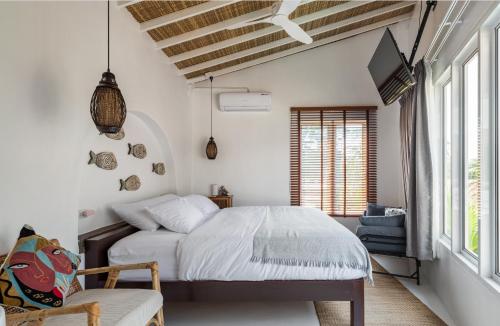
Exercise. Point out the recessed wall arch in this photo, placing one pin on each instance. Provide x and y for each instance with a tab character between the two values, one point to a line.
98	189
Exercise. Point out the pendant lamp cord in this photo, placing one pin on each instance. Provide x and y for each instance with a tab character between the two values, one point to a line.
211	100
108	35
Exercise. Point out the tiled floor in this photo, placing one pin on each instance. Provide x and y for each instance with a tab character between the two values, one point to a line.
241	314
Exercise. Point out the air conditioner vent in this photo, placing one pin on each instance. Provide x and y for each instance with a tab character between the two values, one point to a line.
251	101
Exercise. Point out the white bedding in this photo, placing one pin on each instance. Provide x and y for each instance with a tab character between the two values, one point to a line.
144	246
220	249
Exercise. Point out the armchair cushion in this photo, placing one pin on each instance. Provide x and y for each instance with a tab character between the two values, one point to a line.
375	210
119	307
381	231
37	273
394	220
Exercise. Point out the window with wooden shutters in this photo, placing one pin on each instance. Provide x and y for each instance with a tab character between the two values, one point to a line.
333	159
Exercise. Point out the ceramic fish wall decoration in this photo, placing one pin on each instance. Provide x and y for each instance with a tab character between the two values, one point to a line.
159	168
138	150
119	135
104	160
132	183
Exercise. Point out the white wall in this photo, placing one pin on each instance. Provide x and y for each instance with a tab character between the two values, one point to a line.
253	159
52	58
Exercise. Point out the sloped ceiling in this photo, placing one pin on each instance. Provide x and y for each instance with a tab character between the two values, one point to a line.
195	36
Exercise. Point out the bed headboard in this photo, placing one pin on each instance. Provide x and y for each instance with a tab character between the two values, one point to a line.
95	245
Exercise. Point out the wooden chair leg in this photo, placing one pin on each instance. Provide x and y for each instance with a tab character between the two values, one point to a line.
153	322
155	276
160	318
93	316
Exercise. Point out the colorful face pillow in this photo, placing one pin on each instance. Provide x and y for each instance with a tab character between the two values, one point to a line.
37	274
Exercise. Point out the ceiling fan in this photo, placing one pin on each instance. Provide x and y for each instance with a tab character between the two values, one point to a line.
279	17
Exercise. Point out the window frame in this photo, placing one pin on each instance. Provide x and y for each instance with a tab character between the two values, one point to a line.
459	150
444	80
489	97
468	253
495	220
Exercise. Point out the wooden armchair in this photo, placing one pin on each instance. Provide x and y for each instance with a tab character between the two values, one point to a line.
18	316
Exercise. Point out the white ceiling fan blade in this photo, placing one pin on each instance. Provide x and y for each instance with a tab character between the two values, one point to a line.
288	6
255	22
294	30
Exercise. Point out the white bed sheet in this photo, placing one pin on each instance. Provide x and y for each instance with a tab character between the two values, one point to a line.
145	246
221	250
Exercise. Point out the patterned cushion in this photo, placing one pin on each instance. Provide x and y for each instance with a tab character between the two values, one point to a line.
13	310
37	273
391	211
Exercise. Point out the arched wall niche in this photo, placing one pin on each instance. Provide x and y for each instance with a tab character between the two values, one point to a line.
99	188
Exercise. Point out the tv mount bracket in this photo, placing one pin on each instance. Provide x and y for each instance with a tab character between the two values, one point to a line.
431	5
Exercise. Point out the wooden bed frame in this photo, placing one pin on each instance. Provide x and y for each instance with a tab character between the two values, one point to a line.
95	245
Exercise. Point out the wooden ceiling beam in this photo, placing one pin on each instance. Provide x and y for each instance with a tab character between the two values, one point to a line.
126	3
287	40
184	14
304	47
265	31
214	28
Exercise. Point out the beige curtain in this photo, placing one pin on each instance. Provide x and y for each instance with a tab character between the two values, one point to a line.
417	167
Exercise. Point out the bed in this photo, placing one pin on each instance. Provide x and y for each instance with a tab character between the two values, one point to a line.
218	261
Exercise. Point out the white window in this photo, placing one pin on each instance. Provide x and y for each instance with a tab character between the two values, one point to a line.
471	159
496	241
447	159
469	107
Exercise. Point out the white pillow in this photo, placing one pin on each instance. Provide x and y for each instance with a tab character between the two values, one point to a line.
204	205
136	214
177	215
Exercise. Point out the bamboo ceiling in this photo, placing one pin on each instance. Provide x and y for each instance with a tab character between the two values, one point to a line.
189	32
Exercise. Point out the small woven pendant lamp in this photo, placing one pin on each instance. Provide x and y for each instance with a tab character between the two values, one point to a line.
107	105
211	146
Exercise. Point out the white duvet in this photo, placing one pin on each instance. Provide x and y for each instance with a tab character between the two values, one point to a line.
221	249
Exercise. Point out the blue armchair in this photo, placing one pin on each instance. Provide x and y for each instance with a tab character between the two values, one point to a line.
382	231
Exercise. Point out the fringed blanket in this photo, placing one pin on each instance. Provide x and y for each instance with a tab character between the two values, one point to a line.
298	236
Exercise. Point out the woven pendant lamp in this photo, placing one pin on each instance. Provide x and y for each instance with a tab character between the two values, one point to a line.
211	146
107	105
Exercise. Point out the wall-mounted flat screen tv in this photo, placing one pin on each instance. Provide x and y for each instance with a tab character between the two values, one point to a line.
389	70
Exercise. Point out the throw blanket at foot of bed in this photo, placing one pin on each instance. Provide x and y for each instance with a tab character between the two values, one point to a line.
272	243
307	237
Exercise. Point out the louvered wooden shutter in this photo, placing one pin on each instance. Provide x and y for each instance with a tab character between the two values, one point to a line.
333	159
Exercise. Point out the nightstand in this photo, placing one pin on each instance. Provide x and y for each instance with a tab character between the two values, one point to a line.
222	201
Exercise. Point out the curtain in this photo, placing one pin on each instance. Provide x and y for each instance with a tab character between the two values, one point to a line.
417	167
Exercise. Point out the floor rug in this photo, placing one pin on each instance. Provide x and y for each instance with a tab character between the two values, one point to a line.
386	303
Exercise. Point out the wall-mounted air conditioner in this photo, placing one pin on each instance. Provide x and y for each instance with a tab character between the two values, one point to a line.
251	101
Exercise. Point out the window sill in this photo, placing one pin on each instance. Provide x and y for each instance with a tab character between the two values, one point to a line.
489	282
460	257
445	241
492	284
